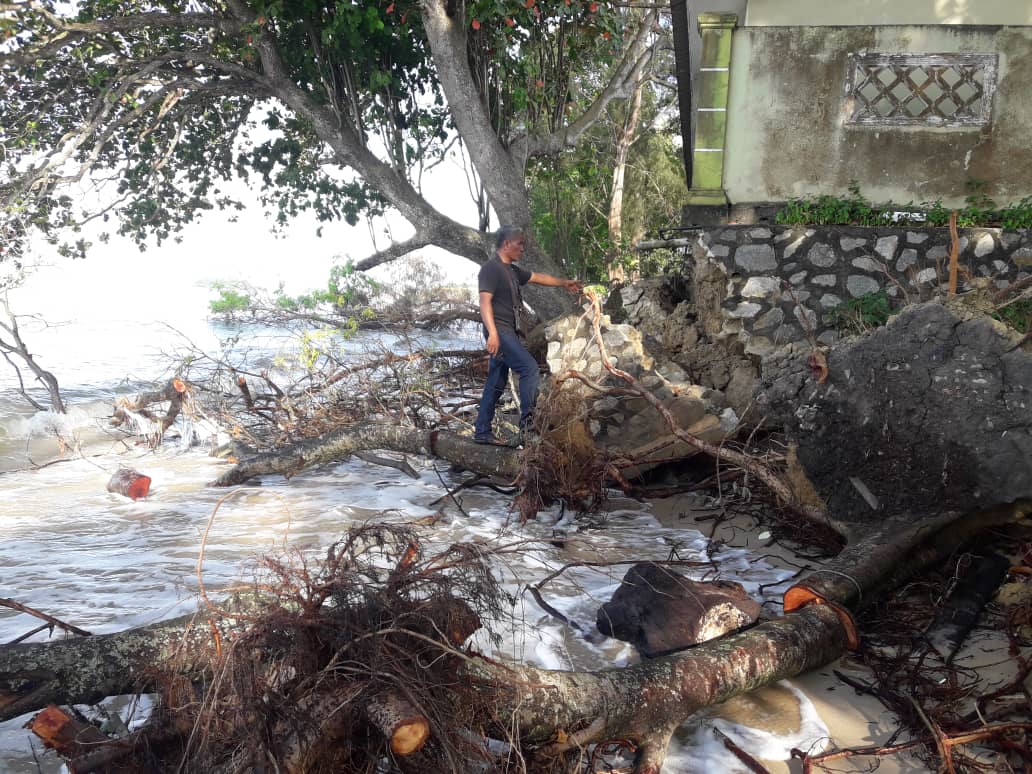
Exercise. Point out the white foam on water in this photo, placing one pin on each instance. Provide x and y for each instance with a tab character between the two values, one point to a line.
695	748
106	563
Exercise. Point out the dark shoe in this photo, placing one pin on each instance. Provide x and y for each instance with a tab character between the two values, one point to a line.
489	440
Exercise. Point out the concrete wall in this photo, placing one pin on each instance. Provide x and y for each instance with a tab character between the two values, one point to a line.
787	134
791	13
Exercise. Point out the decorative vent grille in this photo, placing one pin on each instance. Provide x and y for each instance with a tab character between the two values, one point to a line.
922	89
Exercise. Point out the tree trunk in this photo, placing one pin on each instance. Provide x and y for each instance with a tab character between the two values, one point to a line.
87	669
885	558
623	147
643	703
499	461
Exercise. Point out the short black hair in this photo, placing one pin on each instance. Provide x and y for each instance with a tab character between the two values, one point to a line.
507	234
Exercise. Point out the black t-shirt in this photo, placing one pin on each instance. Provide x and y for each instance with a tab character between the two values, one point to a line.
492	280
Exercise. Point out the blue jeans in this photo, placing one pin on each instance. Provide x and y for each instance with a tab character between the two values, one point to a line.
511	355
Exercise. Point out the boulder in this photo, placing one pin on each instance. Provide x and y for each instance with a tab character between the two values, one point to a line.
659	610
931	412
665	311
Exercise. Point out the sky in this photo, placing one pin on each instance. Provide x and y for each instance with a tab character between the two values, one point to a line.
117	281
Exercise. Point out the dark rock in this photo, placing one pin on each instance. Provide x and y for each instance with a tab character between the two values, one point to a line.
659	610
931	412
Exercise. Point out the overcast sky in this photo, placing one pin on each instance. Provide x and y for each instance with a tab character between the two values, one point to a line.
117	281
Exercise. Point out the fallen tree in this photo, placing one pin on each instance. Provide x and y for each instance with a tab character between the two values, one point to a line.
359	659
546	717
537	468
502	462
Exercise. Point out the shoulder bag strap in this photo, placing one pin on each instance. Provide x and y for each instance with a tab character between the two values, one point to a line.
517	296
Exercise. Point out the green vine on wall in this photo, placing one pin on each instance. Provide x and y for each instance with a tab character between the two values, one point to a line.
855	210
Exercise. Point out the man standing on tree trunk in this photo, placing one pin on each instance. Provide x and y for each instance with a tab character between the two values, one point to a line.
501	306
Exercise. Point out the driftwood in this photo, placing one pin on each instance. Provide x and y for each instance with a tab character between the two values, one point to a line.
174	393
130	483
501	462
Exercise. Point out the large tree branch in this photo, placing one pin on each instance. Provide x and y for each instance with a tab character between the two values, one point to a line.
499	461
396	250
349	149
467	242
621	85
501	175
67	32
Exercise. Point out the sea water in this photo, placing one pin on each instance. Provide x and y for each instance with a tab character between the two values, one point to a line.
102	562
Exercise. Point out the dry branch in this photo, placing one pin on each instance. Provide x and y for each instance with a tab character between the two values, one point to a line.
954	255
51	620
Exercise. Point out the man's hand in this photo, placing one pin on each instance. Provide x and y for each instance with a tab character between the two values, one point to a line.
493	343
554	282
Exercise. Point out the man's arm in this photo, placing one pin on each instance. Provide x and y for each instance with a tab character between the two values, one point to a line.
487	315
553	282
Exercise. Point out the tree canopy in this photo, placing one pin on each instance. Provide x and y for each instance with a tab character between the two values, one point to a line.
324	105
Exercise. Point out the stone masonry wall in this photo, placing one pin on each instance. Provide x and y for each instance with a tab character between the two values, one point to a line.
785	281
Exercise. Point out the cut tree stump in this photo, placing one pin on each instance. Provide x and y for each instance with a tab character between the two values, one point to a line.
130	483
67	735
400	722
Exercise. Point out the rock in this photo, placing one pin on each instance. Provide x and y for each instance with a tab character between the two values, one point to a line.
652	298
931	412
906	259
757	257
886	247
859	285
635	430
659	610
822	255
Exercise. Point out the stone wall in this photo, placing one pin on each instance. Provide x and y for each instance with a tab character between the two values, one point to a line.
782	283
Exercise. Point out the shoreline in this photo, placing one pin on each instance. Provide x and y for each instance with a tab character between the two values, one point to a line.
854	720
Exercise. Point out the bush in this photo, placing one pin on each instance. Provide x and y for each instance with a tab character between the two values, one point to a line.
858	315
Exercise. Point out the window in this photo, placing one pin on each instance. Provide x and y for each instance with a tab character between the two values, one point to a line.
921	89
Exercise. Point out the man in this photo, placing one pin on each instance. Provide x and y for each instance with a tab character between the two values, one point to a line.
501	302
